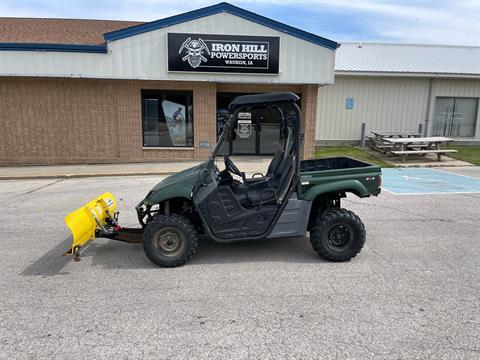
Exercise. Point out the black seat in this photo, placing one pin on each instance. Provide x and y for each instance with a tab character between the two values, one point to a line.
272	168
269	191
263	99
275	163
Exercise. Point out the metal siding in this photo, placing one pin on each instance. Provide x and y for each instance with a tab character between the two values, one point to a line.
382	103
457	88
144	57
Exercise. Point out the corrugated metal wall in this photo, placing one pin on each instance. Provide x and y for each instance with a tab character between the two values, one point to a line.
382	103
144	57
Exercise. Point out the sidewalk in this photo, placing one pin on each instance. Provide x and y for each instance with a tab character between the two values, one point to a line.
246	164
429	160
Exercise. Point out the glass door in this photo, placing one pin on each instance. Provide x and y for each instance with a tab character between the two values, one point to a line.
455	117
268	138
263	138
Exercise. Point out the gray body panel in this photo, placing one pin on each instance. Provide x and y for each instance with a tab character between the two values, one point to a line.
294	219
210	184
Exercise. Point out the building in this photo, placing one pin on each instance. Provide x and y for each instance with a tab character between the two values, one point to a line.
406	87
93	91
81	91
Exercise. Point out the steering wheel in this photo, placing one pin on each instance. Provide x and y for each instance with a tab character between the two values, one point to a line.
231	167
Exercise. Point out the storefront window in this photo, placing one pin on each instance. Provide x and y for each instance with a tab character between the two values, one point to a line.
456	117
167	118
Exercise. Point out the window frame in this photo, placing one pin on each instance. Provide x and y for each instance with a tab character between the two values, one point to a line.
475	116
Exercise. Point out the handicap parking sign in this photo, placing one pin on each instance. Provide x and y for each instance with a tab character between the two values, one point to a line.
349	103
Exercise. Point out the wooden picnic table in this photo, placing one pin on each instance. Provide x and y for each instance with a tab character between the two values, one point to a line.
378	143
418	146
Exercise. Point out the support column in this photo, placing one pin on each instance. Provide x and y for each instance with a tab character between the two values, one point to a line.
204	119
309	119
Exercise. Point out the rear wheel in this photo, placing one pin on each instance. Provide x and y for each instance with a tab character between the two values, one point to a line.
170	240
337	235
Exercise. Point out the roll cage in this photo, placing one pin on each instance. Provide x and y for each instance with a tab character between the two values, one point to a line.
284	103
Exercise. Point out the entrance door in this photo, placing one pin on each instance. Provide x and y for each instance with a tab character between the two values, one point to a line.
264	133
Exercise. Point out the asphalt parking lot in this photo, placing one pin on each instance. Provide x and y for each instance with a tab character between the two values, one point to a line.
412	293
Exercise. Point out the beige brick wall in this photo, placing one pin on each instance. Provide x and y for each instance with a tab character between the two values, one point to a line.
309	115
74	121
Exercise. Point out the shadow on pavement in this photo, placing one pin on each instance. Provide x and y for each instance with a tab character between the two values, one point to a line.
52	262
117	255
291	250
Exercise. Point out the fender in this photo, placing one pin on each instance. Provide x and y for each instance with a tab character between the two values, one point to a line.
353	186
178	185
167	194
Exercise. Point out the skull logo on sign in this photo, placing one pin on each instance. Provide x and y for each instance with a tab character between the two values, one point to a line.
195	50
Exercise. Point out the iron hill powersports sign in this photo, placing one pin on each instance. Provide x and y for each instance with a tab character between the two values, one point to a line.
223	53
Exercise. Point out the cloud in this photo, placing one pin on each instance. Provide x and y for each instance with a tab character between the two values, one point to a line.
422	21
441	22
134	10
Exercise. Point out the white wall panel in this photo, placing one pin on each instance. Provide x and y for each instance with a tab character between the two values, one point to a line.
388	104
144	56
384	103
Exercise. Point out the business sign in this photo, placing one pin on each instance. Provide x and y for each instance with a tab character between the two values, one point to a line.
223	53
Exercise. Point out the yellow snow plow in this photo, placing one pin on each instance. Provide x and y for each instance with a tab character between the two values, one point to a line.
98	219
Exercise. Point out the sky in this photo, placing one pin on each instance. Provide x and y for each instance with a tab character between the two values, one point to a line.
450	22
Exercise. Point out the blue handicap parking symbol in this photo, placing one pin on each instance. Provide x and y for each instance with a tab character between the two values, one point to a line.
427	181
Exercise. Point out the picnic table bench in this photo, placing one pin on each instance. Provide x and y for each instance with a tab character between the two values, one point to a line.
418	146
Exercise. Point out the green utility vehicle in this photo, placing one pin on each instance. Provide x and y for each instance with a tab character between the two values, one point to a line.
291	198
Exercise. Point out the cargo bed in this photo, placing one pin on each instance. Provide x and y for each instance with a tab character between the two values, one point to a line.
336	163
338	171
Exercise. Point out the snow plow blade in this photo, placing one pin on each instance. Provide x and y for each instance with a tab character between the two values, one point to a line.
91	220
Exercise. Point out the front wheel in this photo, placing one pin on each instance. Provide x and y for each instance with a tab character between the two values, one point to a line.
337	235
170	240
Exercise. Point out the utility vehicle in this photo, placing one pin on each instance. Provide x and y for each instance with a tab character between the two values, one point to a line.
291	198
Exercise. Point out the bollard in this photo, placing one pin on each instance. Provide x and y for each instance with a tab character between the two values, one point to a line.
362	139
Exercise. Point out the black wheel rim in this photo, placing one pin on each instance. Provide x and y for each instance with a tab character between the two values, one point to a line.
339	236
170	242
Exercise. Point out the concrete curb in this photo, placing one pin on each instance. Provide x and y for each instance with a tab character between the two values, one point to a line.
114	170
73	176
432	165
146	173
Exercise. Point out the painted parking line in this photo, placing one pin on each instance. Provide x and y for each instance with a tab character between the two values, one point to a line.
418	181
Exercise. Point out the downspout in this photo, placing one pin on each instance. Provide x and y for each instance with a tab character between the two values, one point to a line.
429	108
